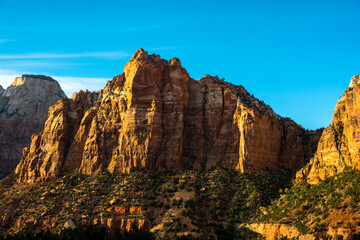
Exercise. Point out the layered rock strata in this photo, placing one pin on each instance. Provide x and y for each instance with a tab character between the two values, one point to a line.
23	111
339	145
155	117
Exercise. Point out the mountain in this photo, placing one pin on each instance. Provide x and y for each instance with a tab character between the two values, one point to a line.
339	145
154	117
23	112
184	159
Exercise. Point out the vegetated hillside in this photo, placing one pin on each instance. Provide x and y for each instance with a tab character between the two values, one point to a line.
328	209
205	204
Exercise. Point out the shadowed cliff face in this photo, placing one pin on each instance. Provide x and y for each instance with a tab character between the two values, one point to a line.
155	117
339	145
23	111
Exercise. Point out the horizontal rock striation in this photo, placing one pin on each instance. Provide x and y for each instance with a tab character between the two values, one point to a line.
155	117
339	145
23	111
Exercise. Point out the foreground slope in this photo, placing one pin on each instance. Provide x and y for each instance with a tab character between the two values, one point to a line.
207	204
329	209
155	117
23	111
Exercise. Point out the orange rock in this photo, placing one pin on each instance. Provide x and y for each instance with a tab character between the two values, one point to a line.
154	117
118	223
339	145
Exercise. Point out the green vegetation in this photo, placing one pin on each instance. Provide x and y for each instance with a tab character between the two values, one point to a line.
180	205
184	205
333	202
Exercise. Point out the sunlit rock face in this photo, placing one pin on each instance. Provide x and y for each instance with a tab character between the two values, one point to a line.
339	145
154	117
23	112
355	80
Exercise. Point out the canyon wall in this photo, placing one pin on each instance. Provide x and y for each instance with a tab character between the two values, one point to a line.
154	117
23	111
339	145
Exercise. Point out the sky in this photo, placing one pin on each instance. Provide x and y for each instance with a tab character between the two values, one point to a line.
297	56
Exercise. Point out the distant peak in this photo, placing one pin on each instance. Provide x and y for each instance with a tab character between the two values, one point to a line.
20	80
355	80
43	77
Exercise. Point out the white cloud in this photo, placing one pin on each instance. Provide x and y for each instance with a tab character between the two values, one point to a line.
160	48
143	28
7	77
37	64
5	40
104	55
69	84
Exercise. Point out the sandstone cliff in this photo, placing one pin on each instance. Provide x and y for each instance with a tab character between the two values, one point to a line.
155	117
23	111
278	231
339	146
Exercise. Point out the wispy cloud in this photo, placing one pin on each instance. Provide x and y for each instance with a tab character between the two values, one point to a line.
6	40
160	48
36	64
69	84
7	77
104	55
146	27
151	26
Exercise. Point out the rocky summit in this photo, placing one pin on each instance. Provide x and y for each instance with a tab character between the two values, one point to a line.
155	117
23	111
338	147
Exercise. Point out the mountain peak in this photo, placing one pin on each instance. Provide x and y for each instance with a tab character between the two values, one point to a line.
143	56
140	54
23	111
36	82
355	80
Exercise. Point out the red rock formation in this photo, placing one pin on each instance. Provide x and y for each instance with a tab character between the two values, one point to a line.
23	111
155	117
339	145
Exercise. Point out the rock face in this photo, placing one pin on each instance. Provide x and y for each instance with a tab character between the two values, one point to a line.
23	111
278	231
155	117
339	145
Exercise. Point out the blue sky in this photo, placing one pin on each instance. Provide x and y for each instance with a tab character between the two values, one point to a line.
297	56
